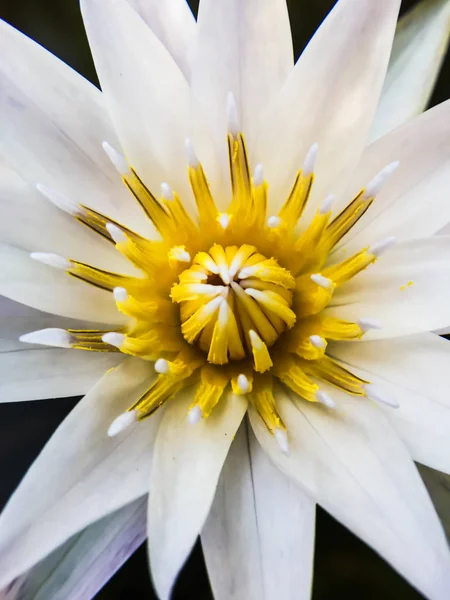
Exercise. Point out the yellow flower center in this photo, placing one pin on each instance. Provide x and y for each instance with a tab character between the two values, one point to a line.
233	298
234	302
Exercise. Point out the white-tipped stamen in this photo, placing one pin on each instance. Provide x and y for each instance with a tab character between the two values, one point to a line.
120	294
162	366
380	247
327	204
322	281
167	192
232	115
258	175
116	233
325	399
192	159
273	222
178	253
52	260
60	200
375	186
310	160
122	422
282	440
317	341
114	339
194	415
48	337
117	159
367	324
224	220
373	392
243	383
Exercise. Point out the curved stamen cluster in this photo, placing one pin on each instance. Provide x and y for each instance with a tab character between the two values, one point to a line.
234	302
227	298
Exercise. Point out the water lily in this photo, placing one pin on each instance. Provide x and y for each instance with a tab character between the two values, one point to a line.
257	281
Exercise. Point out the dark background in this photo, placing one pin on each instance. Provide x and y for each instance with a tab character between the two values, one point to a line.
344	566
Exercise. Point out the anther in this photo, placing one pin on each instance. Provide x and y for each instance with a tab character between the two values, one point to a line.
122	422
48	337
162	366
120	294
166	192
322	281
317	341
180	253
192	159
282	440
243	383
232	115
117	159
327	204
52	260
376	394
273	222
223	220
60	200
310	160
367	324
258	175
375	186
380	247
116	233
114	339
325	399
194	415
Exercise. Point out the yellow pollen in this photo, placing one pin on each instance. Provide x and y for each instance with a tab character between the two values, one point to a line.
240	310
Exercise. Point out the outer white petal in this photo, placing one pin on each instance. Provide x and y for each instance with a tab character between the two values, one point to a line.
414	202
30	221
186	467
353	464
258	539
81	475
37	372
417	54
52	290
243	47
173	24
148	99
407	289
329	98
54	123
82	566
414	371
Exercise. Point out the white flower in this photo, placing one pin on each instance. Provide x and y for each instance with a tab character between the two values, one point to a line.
269	304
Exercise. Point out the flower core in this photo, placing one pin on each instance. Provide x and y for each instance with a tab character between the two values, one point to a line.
234	298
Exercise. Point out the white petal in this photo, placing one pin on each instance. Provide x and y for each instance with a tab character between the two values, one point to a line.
81	475
414	202
259	537
407	289
417	54
186	467
148	99
329	98
414	371
353	464
84	564
31	221
438	488
51	290
173	24
243	47
54	122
